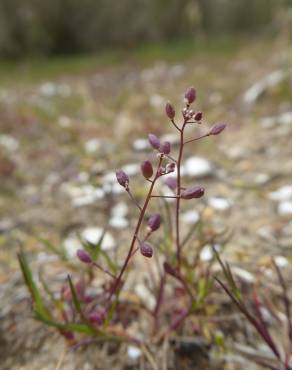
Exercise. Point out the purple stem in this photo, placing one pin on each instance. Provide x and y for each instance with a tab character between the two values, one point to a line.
141	216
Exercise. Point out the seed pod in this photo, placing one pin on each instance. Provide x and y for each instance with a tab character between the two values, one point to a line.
154	222
171	182
198	116
170	111
216	129
170	167
165	147
190	95
83	256
122	178
147	169
154	141
146	250
193	192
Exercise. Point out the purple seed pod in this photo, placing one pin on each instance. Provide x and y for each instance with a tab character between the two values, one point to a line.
83	256
146	250
169	269
170	167
169	110
171	182
193	192
216	129
147	169
122	178
198	116
165	147
190	95
154	222
154	141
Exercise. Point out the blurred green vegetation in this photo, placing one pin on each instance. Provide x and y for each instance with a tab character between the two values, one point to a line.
35	27
37	68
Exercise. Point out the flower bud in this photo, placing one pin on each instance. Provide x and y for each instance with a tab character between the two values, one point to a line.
216	129
165	147
122	178
169	110
83	256
146	250
154	141
154	222
170	167
190	95
171	182
198	116
147	169
193	192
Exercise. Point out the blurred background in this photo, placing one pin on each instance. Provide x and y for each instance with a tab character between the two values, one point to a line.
82	83
70	26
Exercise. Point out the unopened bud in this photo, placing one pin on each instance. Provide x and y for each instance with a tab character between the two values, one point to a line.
216	129
190	95
146	250
122	178
170	167
165	147
198	116
147	169
154	222
193	192
154	141
169	110
83	256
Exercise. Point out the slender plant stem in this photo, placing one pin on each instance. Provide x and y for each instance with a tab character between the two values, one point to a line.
141	216
177	213
197	138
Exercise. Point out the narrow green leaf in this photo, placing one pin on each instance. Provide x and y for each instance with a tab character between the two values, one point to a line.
27	275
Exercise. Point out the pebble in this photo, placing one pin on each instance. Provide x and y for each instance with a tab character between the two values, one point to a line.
93	235
281	261
220	204
118	218
243	274
285	208
83	195
9	143
134	352
140	145
190	217
283	193
197	167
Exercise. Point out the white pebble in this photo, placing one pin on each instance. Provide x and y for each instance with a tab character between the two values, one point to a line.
285	208
220	204
197	167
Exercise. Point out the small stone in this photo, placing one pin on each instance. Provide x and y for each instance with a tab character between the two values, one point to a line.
285	208
190	217
281	261
283	193
93	235
197	167
118	222
134	352
140	145
220	204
